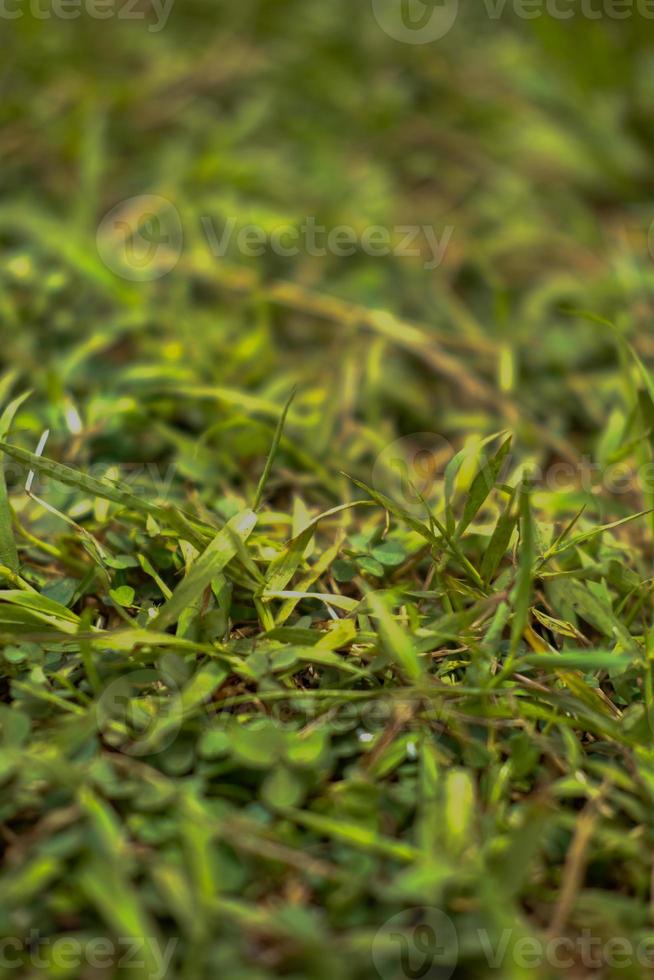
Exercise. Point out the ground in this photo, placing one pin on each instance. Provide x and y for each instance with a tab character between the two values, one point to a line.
326	522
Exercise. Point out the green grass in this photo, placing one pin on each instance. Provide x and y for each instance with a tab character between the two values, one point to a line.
329	602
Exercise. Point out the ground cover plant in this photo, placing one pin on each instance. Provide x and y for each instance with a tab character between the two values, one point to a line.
327	495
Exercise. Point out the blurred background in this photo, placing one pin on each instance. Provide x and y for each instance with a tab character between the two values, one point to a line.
526	142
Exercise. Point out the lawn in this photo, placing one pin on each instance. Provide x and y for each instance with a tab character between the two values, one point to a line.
326	490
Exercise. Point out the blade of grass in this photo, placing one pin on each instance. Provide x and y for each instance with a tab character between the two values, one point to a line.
273	452
206	567
8	550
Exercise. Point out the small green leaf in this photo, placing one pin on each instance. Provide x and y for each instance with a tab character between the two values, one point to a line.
282	788
390	553
258	745
123	595
370	567
307	750
344	571
213	744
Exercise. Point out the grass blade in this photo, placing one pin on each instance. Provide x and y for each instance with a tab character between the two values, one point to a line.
8	550
206	567
273	452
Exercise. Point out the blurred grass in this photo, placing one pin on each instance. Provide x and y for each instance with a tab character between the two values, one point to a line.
386	707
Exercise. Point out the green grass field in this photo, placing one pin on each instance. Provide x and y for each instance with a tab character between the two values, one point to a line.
327	493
